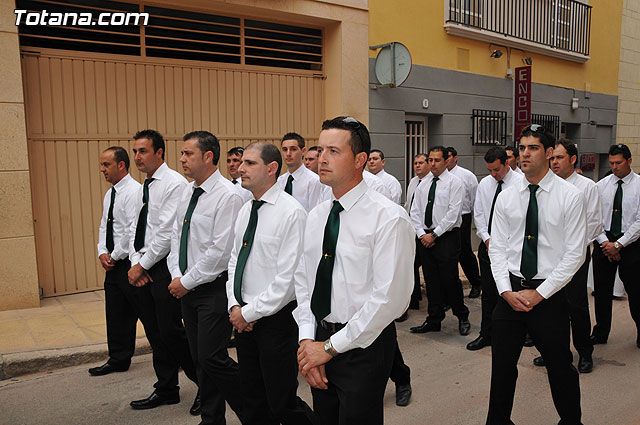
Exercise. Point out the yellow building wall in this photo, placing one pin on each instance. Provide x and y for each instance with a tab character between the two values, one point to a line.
419	24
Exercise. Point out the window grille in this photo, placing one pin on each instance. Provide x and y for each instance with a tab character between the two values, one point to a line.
550	122
489	127
415	143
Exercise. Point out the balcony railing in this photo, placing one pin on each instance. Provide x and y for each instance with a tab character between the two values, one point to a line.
559	24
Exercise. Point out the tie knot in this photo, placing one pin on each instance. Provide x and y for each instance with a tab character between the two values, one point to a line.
234	181
620	182
290	179
255	206
113	190
500	183
336	208
148	181
533	188
197	192
435	179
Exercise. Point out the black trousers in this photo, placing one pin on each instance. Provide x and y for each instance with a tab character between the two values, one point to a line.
489	291
400	373
357	380
269	372
468	260
577	296
604	273
121	315
548	325
208	330
416	295
442	282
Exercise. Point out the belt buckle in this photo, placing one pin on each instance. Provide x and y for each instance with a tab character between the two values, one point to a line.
524	284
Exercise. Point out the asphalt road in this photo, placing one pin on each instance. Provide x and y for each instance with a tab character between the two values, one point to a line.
450	385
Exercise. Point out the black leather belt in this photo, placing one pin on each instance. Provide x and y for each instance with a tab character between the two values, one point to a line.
331	327
526	284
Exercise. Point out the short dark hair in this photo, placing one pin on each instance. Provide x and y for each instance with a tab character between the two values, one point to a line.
378	151
156	139
620	149
439	149
207	142
513	150
496	153
313	148
451	151
546	137
294	136
268	154
426	157
119	155
570	147
360	140
237	150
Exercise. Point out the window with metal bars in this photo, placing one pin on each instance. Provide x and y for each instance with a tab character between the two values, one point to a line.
489	127
550	122
415	143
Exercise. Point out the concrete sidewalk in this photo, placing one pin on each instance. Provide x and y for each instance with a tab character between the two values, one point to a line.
64	331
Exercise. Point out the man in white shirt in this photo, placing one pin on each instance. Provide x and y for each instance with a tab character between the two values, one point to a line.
300	182
234	159
355	279
537	244
376	184
468	260
436	218
513	159
267	247
617	246
149	244
311	159
376	163
113	253
200	250
500	178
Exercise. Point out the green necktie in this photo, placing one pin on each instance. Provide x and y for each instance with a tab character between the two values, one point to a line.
616	216
289	186
321	298
243	255
428	213
110	244
184	236
141	228
493	204
529	261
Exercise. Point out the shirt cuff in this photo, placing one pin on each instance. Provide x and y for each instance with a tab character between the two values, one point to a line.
484	236
145	262
420	233
503	285
307	331
602	238
250	314
624	240
438	231
188	282
102	251
339	341
546	289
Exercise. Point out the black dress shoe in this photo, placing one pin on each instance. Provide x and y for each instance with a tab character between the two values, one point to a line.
528	341
464	326
478	343
585	364
196	408
475	292
539	361
106	369
414	304
595	339
425	327
403	394
154	400
402	318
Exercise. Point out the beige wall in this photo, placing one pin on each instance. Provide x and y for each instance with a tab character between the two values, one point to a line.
628	131
18	276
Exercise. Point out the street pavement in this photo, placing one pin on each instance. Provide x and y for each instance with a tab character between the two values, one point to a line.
450	385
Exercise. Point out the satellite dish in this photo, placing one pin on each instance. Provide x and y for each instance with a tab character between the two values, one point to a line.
393	64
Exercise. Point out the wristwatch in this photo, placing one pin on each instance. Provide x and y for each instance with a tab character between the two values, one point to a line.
328	348
617	245
433	235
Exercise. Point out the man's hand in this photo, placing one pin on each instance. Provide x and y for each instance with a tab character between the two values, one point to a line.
176	289
517	301
427	240
105	262
532	296
138	276
311	361
608	249
237	320
487	243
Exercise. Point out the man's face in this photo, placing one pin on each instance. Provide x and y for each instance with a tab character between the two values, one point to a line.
254	172
534	158
420	166
292	153
192	159
452	161
336	161
145	158
497	169
233	163
512	161
311	161
109	167
375	164
561	162
437	163
620	167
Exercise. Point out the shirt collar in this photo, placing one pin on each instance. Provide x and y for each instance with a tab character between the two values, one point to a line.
349	199
123	182
545	184
299	172
444	176
626	179
161	171
381	173
210	182
271	195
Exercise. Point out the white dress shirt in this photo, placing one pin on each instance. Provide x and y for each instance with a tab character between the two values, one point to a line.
630	206
164	194
210	232
306	187
372	276
484	198
447	206
392	184
244	193
519	171
561	233
375	183
592	204
268	278
123	215
470	185
411	190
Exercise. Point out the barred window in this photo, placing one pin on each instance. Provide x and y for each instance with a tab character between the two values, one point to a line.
489	127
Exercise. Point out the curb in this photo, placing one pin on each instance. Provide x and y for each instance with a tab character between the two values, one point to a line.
28	362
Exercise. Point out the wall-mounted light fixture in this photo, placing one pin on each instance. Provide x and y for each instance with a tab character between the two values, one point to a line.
497	53
574	103
527	60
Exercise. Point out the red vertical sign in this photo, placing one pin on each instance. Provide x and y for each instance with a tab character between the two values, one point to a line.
522	107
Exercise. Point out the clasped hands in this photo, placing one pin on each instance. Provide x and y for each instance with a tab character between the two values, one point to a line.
610	251
311	361
237	320
138	276
427	240
523	300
